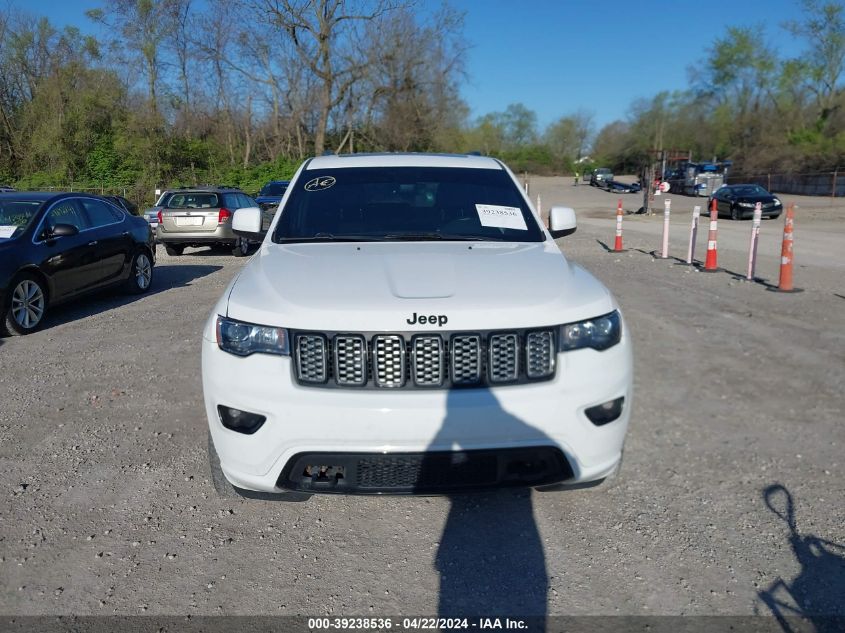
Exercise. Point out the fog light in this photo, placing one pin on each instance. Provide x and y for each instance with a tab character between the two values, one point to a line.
240	421
607	412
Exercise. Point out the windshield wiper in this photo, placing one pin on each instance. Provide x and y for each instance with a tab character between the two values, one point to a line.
328	237
413	236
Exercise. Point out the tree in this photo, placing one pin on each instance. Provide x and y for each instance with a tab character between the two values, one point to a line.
823	28
411	80
143	27
325	34
567	137
520	125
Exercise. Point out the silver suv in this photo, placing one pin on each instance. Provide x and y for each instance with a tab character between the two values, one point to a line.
201	216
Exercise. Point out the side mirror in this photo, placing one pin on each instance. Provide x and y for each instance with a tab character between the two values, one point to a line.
62	230
247	223
562	221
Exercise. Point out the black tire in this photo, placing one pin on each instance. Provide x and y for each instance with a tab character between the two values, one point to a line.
174	250
26	305
735	214
774	217
241	248
227	491
140	273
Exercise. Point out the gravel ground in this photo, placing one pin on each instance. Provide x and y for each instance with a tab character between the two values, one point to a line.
107	505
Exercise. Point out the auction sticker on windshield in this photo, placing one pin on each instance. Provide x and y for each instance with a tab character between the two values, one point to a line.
501	217
318	184
7	231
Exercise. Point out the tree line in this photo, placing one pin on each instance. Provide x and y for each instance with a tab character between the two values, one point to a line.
745	102
241	91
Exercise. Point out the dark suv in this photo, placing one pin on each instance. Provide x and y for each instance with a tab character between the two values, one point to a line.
201	216
269	198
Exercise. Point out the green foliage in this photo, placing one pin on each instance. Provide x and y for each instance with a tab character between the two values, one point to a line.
74	121
766	113
251	179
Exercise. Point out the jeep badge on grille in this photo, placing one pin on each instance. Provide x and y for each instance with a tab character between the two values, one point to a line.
431	319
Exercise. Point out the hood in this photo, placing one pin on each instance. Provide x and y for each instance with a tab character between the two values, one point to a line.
762	198
387	286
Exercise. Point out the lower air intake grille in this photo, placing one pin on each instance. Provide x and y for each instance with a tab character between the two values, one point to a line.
429	472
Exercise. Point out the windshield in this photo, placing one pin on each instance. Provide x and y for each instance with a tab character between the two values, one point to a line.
192	200
15	216
410	203
273	189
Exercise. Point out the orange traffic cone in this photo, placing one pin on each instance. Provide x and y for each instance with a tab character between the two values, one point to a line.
617	246
786	253
711	261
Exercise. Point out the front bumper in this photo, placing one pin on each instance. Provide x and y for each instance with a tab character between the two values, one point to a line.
748	212
348	422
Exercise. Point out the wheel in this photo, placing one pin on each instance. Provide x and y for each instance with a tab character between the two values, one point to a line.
174	250
227	491
25	305
140	273
241	248
735	214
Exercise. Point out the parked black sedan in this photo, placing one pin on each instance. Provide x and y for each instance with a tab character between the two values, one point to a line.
54	247
123	203
738	201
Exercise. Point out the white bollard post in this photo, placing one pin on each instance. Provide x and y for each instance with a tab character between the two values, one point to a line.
664	253
755	236
539	206
696	214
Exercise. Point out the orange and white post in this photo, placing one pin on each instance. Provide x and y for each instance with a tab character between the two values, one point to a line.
786	253
711	262
617	246
693	233
755	236
667	209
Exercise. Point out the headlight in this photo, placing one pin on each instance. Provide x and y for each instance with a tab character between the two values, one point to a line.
243	339
777	202
599	333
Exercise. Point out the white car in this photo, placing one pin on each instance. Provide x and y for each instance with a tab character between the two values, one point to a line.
409	326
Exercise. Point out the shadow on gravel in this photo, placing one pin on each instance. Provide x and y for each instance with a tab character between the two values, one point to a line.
817	593
490	559
164	278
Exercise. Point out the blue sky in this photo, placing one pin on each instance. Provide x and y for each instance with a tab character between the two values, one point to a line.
558	56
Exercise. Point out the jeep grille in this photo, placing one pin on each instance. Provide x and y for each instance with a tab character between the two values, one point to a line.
402	361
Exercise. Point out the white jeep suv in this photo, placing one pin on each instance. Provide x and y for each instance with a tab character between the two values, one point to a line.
409	326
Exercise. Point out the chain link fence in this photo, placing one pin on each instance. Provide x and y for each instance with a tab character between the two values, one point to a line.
826	183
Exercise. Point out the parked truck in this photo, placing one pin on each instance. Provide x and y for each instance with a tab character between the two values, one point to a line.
698	179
